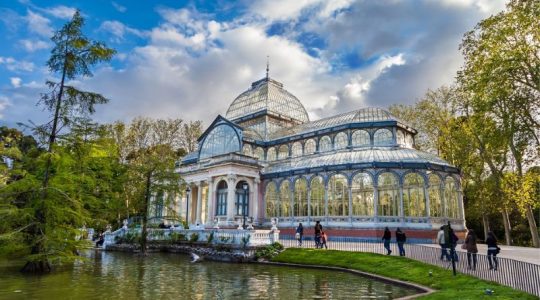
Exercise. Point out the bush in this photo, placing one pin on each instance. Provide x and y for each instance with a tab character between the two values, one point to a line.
194	237
178	237
224	239
269	251
210	238
245	240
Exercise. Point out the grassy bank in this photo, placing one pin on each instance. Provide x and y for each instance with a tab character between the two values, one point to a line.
447	286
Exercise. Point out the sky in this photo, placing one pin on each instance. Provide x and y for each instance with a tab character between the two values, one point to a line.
191	59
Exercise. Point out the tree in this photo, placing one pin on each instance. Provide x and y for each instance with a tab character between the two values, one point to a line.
45	207
501	78
152	151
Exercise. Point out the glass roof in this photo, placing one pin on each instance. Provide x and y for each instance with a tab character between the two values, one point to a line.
357	156
370	114
267	94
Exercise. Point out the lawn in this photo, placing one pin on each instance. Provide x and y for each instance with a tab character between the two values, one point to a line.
402	268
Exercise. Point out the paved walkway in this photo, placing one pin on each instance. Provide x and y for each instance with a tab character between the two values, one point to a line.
526	254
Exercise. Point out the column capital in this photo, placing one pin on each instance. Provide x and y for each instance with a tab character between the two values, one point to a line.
199	183
231	178
257	180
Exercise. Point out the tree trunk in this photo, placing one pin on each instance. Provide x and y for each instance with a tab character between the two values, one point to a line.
507	228
532	227
145	212
485	223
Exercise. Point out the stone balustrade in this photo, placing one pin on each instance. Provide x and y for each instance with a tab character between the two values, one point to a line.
235	237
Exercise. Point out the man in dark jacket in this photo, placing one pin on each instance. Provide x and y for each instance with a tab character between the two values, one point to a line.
387	236
401	238
318	231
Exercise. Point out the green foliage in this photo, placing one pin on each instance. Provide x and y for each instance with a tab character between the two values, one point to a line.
194	237
130	237
245	240
210	238
269	251
224	239
402	268
178	237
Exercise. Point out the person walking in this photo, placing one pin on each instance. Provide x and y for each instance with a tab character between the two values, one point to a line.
442	242
492	251
472	249
386	239
453	243
401	238
318	231
299	234
324	238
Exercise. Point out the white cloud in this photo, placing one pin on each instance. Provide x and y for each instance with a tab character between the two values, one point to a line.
119	7
15	81
33	45
60	12
38	24
4	103
14	65
119	30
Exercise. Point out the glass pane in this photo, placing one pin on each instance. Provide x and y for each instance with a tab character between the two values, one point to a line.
414	203
362	195
271	200
338	196
300	197
310	146
360	138
382	137
222	139
285	199
341	141
388	195
325	144
296	149
317	197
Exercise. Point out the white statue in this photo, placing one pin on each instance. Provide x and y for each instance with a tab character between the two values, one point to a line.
274	224
216	223
125	226
240	225
108	228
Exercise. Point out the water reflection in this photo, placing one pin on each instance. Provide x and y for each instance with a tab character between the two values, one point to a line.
107	275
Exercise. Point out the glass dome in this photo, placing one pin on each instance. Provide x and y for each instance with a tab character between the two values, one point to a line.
267	94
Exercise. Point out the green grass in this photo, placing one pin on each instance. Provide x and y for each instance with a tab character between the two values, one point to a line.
442	280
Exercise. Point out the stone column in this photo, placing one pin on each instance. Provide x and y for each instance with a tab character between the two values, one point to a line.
255	200
231	193
199	202
210	204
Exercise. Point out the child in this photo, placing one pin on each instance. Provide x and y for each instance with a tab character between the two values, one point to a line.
324	238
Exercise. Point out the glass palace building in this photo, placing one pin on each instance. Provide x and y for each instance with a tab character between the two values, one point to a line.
356	172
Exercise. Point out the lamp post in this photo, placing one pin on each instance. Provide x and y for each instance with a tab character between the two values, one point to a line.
188	190
244	203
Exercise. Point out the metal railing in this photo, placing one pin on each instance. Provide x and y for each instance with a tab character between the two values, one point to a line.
517	274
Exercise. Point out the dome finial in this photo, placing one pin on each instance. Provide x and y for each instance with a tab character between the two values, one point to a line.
267	66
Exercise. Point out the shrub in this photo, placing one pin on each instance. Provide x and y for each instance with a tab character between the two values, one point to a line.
178	237
194	237
224	239
245	240
210	238
269	251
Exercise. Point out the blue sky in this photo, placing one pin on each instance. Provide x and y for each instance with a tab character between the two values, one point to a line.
190	59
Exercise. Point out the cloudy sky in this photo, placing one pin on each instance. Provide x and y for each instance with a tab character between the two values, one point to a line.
190	59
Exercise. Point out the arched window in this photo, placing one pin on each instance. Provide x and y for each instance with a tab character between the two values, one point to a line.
382	137
400	138
285	199
246	150
341	141
221	199
222	139
360	138
388	189
317	197
283	152
259	153
271	200
435	199
296	149
451	198
241	204
362	195
271	154
310	146
414	201
325	144
338	196
300	197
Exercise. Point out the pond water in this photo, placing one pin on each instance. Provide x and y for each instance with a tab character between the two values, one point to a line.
110	275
